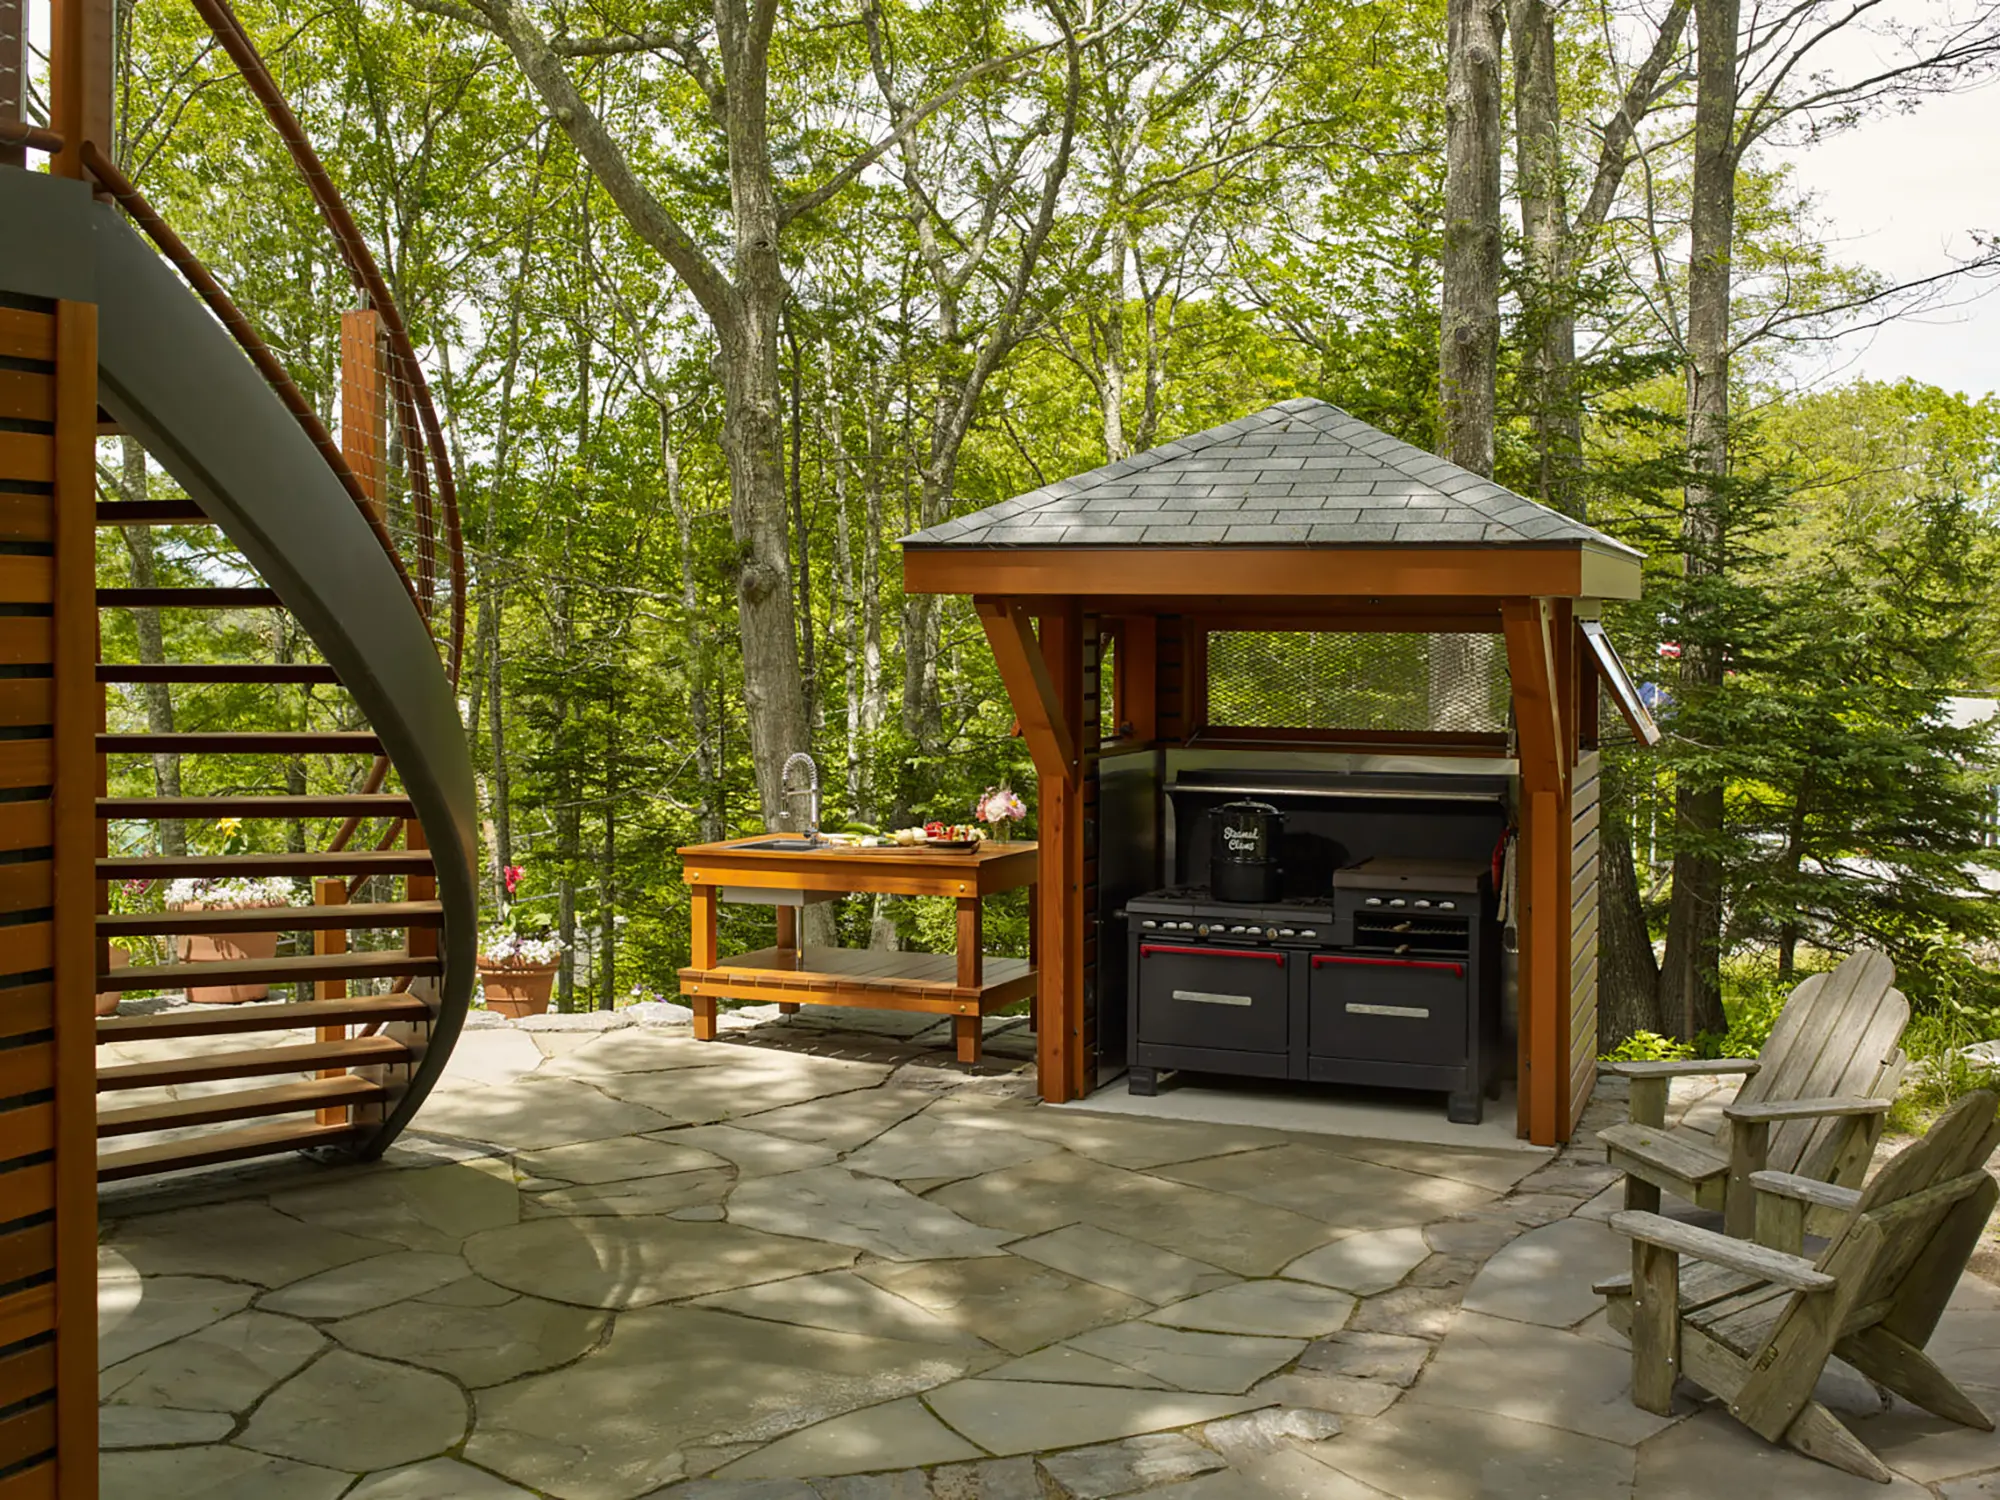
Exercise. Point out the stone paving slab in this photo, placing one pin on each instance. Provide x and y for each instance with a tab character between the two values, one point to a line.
537	1113
438	1479
159	1427
477	1346
351	1412
745	1076
665	1194
427	1208
1442	1453
1337	1190
366	1284
1364	1263
843	1302
843	1122
1546	1275
832	1203
971	1142
897	1435
1713	1455
214	1473
1277	1308
634	1262
1012	1304
1221	1362
751	1152
1251	1239
134	1315
616	1160
1124	1264
1007	1416
225	1367
246	1242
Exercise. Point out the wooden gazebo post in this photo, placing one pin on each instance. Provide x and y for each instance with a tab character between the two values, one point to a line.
1299	518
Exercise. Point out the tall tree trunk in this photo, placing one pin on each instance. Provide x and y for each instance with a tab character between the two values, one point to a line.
1469	330
607	868
710	814
1549	316
1111	362
1691	977
158	697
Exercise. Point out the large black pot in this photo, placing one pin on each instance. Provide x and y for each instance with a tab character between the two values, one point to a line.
1243	851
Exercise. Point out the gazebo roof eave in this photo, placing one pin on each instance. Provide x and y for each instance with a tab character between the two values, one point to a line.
1559	570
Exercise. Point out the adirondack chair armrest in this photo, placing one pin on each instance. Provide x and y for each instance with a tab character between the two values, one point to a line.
1808	1190
1774	1266
1690	1067
1774	1111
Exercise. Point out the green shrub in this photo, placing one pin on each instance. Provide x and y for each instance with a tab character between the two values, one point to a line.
1649	1046
1940	1072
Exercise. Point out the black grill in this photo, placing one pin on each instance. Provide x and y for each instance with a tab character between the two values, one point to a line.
1391	980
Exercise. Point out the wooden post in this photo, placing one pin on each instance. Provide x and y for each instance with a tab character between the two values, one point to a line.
79	83
788	946
331	892
13	76
702	923
1035	955
1138	675
78	706
364	404
1061	1064
968	1031
1543	879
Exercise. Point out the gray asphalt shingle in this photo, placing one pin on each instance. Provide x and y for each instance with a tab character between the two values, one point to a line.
1300	473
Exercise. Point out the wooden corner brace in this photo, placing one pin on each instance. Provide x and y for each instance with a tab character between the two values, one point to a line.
1025	671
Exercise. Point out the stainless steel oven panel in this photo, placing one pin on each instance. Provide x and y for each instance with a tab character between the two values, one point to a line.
1387	1009
1200	996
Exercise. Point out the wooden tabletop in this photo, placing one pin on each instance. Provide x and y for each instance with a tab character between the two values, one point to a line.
895	869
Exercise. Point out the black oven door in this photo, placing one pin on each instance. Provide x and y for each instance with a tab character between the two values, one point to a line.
1236	999
1404	1010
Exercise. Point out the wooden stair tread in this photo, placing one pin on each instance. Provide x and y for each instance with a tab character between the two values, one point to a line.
280	1016
250	597
365	964
150	513
222	1146
356	805
362	914
244	742
306	1057
198	672
243	1104
342	862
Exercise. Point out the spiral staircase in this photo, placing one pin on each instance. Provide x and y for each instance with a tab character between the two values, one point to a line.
364	555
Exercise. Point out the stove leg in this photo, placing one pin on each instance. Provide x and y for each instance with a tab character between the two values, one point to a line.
1142	1081
1465	1107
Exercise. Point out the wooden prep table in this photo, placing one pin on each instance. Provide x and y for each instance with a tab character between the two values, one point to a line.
965	986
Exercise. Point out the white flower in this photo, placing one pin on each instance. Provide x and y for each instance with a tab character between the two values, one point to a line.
235	892
498	945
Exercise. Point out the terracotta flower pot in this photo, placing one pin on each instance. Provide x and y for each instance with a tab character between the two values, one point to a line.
227	947
107	1000
514	990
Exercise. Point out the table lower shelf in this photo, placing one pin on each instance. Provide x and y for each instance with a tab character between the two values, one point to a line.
868	977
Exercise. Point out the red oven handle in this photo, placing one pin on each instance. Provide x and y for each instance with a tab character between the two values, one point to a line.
1145	948
1394	963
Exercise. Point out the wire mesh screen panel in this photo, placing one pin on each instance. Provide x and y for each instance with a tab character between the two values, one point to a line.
1367	680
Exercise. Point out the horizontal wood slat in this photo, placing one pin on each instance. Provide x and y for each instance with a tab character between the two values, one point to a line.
27	335
27	1131
26	763
25	1313
228	1145
363	914
198	809
25	1191
304	1058
26	701
343	862
27	396
26	947
244	742
38	1483
26	1070
194	673
150	513
26	640
244	1104
26	885
25	1009
28	456
360	1010
27	1372
364	964
27	1252
213	598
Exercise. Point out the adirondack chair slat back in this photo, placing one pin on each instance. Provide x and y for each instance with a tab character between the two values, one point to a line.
1833	1037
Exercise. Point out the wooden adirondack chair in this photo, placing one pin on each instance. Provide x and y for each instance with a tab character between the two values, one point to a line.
1811	1105
1755	1324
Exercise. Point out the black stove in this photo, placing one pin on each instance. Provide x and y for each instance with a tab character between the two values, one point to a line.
1390	978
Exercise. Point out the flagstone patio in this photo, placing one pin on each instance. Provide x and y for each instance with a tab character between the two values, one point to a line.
815	1262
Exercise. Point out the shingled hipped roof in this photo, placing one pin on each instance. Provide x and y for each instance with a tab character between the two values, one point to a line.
1301	473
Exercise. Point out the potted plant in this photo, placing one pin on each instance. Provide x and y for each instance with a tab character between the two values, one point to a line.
107	1000
517	970
997	807
239	893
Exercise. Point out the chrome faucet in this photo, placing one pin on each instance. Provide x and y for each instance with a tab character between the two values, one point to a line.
798	757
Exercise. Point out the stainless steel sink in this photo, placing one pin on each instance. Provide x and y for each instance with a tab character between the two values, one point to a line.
785	846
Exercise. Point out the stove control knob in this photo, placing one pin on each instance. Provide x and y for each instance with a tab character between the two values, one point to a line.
1309	932
1239	927
1286	932
1447	906
1396	901
1374	900
1420	902
1149	922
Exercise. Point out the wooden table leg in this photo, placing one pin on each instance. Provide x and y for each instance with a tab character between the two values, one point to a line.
971	943
702	909
788	950
966	1032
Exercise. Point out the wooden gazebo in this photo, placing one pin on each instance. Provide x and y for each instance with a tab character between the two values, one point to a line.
1299	518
